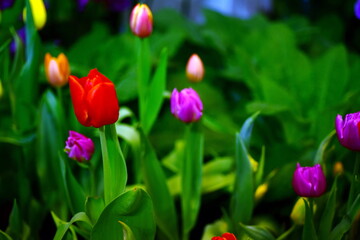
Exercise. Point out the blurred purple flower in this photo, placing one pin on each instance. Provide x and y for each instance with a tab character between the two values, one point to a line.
6	4
117	5
357	9
186	105
22	35
348	131
79	147
309	181
81	4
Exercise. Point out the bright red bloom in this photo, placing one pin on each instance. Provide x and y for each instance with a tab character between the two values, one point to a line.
225	236
94	99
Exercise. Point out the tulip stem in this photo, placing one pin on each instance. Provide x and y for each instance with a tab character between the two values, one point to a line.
354	188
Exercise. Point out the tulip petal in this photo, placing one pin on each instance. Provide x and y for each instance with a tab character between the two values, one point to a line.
78	98
103	104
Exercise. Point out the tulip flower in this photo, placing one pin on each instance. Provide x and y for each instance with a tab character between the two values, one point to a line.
357	9
39	13
195	69
225	236
348	130
57	69
309	181
141	20
186	105
79	147
94	99
4	4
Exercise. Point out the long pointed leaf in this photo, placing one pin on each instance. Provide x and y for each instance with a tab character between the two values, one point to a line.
191	177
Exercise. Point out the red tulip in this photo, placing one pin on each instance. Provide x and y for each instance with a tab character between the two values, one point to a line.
94	99
225	236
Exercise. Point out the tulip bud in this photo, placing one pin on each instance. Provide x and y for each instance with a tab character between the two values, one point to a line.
298	211
57	69
79	147
225	236
141	20
195	69
1	90
186	105
309	181
38	12
348	131
261	191
338	168
94	99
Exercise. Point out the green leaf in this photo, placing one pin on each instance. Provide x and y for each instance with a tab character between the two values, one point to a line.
15	227
25	86
260	171
191	174
346	222
319	158
246	129
114	165
93	208
329	213
256	232
132	136
4	236
242	201
128	234
309	232
74	192
133	208
155	182
154	93
63	227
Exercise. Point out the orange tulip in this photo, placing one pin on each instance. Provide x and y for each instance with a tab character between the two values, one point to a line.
57	69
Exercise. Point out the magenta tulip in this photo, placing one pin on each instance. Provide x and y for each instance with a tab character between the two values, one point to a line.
309	181
79	147
186	105
348	130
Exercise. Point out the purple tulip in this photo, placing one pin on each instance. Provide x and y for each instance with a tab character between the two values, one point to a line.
309	181
357	9
348	131
79	147
186	105
81	4
6	4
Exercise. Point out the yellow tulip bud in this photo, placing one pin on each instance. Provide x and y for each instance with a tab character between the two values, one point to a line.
39	13
57	69
254	164
338	168
195	69
1	90
298	211
261	191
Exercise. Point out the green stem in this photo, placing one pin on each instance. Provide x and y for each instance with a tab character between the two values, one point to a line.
354	188
106	165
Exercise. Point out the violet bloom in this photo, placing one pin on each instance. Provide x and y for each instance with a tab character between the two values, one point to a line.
81	4
186	105
6	4
357	9
348	130
309	181
79	147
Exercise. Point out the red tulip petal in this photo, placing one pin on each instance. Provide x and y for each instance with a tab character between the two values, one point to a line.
103	104
78	98
229	236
